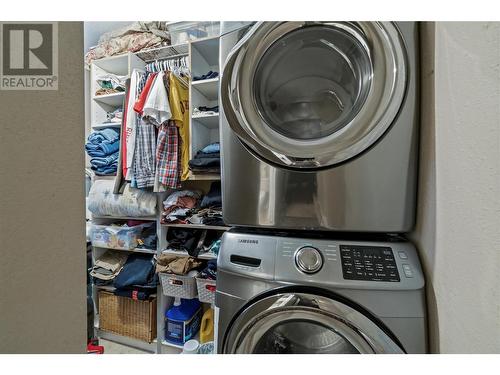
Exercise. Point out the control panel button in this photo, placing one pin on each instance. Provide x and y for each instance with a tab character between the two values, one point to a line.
402	255
308	259
368	263
407	270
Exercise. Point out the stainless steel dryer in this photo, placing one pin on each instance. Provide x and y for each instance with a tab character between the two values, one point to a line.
319	125
279	294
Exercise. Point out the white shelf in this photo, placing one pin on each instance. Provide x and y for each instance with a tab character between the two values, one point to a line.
198	226
209	88
147	218
136	250
117	64
178	346
115	99
185	254
204	176
107	125
210	121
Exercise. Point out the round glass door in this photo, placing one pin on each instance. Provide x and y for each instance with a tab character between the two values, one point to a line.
312	82
310	95
301	323
303	337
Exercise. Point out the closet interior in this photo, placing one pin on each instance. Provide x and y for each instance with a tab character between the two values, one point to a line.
153	233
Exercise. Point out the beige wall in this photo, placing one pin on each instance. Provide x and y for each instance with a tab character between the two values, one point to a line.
42	241
458	229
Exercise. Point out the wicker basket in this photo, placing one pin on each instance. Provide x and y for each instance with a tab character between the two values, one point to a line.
178	286
127	317
206	290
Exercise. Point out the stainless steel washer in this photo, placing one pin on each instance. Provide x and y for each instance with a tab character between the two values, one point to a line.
285	294
318	125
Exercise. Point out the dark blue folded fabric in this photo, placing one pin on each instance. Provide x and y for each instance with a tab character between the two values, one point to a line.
204	163
214	196
139	270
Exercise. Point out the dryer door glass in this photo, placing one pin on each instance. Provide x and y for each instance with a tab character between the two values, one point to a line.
312	82
306	323
309	95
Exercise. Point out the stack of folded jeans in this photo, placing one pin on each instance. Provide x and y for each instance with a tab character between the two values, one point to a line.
137	279
206	160
102	146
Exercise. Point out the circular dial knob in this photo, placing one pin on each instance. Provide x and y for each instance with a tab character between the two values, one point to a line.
308	259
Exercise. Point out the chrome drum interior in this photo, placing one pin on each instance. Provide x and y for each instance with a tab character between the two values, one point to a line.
314	94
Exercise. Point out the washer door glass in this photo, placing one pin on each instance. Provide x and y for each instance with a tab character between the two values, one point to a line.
312	82
303	337
305	323
310	95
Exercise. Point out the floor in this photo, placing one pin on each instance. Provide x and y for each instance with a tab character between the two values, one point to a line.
111	347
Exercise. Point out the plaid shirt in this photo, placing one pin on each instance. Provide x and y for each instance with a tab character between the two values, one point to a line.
168	158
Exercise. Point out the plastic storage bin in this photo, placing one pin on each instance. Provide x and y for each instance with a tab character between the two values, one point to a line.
206	290
179	286
181	32
115	237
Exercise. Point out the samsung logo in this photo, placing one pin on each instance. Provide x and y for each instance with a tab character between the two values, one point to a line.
254	242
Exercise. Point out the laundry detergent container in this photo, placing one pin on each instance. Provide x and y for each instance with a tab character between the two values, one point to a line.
182	320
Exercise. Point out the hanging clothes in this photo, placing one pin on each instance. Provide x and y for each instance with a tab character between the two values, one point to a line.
145	145
129	124
179	105
168	156
156	107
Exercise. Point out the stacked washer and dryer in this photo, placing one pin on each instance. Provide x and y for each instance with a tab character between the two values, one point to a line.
319	140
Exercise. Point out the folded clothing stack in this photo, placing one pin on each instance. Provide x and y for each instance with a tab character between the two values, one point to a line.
137	279
115	116
167	263
209	75
211	207
179	205
107	267
193	241
205	111
148	238
184	207
102	146
210	271
206	160
110	84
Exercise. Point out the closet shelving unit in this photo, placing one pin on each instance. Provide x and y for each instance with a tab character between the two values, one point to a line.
204	129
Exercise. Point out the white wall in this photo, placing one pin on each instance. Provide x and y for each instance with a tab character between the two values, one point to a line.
458	226
93	31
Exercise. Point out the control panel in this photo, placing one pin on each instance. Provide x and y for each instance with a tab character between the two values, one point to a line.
370	263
